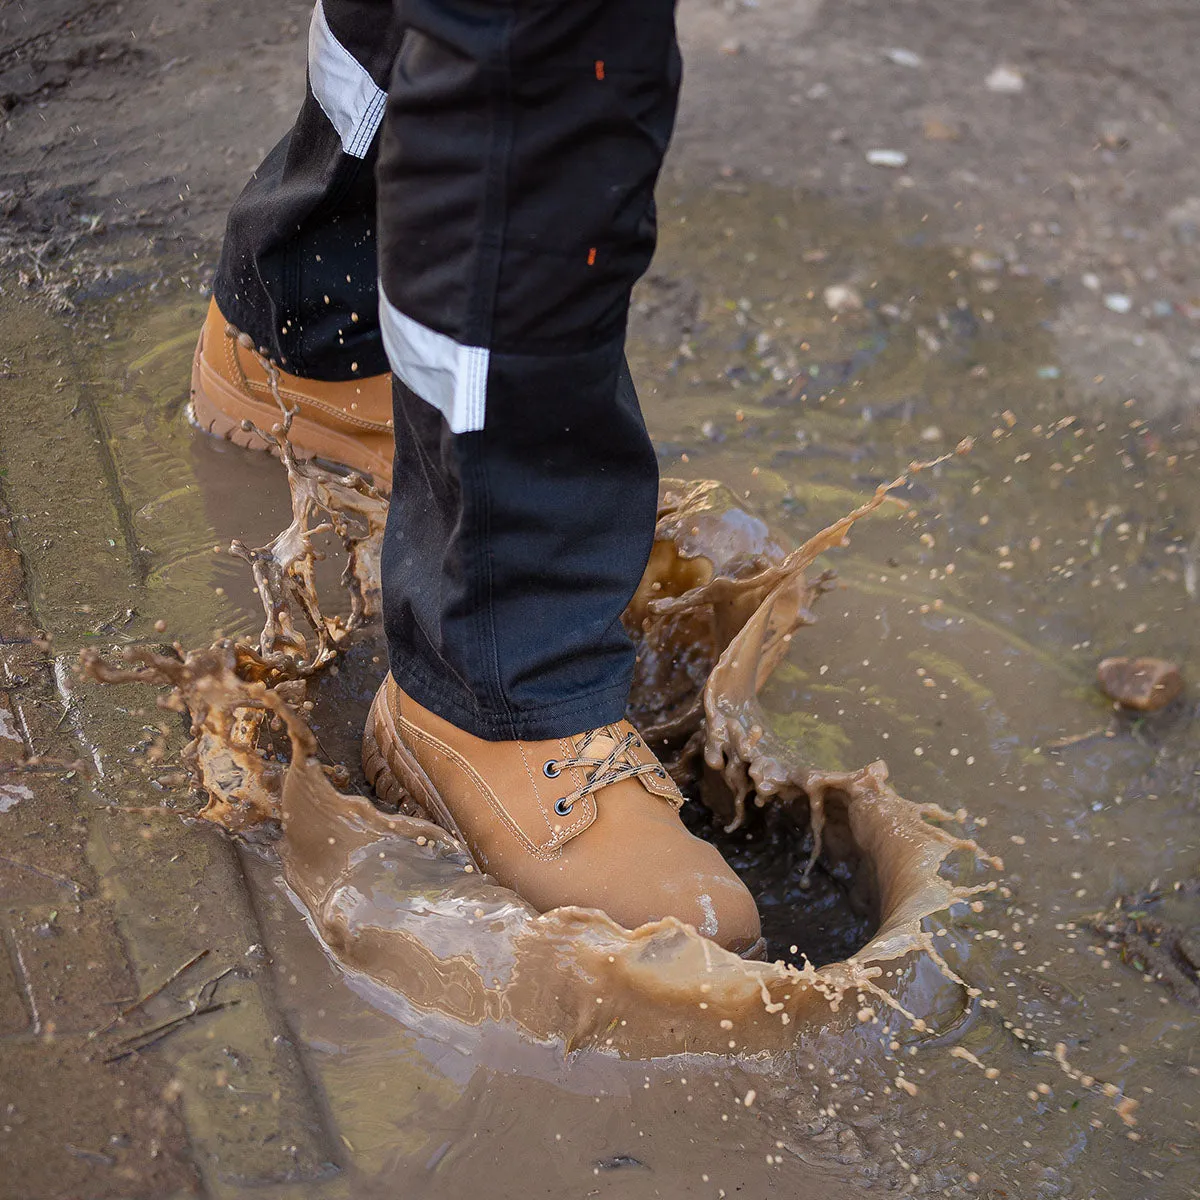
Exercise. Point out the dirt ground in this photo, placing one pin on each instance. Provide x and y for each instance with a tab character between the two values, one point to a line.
1045	148
129	125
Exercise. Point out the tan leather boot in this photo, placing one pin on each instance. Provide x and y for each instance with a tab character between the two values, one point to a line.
591	820
348	422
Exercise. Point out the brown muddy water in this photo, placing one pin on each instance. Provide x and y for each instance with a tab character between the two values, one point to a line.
960	645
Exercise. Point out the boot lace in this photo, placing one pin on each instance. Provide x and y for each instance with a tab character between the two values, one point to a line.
602	772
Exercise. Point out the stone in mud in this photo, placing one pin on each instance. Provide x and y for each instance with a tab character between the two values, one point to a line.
938	129
1145	684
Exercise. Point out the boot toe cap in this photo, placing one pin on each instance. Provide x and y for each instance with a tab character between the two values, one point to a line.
719	906
702	891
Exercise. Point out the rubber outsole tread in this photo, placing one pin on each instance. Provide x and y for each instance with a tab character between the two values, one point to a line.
207	416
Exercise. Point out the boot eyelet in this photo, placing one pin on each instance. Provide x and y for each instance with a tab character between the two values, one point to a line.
563	808
550	769
660	773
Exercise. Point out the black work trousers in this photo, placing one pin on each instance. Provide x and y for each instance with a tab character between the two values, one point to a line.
466	200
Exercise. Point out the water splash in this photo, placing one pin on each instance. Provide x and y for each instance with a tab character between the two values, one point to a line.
397	899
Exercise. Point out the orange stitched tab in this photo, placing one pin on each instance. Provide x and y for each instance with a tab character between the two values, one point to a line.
592	257
599	68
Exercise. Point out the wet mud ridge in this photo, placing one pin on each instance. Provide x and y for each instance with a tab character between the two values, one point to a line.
65	971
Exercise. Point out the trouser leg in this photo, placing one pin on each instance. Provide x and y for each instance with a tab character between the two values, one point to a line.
516	172
298	268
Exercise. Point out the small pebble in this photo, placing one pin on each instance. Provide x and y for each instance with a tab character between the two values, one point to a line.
1144	684
938	130
1005	79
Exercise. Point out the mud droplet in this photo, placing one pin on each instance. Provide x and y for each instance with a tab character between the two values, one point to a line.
843	298
1005	80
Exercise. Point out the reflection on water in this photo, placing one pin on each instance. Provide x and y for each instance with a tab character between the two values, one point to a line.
960	645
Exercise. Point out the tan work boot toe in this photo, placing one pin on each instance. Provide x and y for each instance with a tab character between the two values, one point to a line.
348	422
590	820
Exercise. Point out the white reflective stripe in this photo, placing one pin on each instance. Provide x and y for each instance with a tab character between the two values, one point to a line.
451	377
345	91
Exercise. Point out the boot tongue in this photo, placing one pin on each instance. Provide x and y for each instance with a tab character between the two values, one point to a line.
601	745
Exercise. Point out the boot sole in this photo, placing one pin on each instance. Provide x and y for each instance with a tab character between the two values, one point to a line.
395	775
218	409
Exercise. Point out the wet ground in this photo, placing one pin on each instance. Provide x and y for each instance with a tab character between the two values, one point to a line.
1027	277
961	647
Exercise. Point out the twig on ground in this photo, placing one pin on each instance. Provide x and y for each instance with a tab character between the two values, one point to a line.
154	991
39	764
52	875
1075	739
146	1038
90	1156
208	989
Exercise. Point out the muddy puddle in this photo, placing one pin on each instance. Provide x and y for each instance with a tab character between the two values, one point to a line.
959	643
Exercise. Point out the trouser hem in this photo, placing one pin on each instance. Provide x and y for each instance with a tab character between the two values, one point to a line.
565	718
